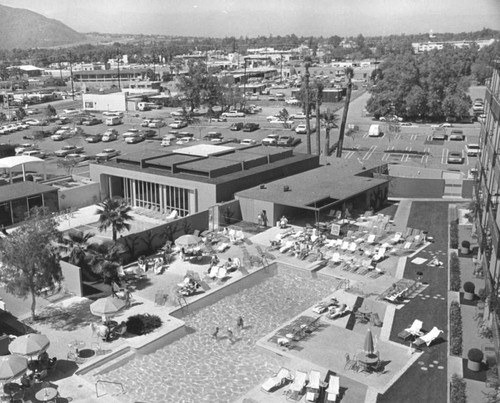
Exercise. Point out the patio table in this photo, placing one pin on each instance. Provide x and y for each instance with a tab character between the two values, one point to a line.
46	394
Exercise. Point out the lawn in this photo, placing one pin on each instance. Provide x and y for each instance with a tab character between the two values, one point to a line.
426	379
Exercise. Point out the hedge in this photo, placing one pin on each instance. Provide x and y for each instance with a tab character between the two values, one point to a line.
455	329
457	390
454	234
455	279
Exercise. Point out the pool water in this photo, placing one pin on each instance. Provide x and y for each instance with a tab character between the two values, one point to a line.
199	368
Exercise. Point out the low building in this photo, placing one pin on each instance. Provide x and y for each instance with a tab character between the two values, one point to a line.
344	185
193	179
115	77
105	101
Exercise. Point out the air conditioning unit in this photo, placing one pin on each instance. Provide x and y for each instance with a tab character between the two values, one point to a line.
286	188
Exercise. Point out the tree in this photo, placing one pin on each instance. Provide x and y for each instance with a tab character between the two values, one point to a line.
329	119
20	113
307	63
104	260
75	247
318	95
30	262
349	73
114	213
283	117
67	164
193	84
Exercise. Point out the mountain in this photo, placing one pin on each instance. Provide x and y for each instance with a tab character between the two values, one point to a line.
20	28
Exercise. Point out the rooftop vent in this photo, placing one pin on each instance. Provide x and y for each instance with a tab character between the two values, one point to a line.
286	188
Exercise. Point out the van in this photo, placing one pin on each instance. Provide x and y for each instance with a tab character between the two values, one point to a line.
143	106
374	131
113	120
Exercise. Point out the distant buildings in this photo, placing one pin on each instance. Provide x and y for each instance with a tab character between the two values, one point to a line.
420	47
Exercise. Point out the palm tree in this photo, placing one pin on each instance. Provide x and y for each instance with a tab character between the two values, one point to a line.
349	72
307	63
319	99
104	260
330	120
75	246
114	213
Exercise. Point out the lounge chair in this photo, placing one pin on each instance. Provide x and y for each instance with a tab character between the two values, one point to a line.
296	389
339	312
371	239
380	255
333	389
313	386
413	330
396	238
277	381
429	337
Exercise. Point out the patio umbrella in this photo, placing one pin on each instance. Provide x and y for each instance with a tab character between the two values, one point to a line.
187	241
29	344
368	349
12	366
107	306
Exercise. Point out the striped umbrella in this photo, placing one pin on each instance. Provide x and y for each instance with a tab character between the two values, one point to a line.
12	366
29	344
107	306
368	349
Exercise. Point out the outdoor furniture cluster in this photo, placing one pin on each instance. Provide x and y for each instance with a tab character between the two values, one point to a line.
367	360
417	336
401	290
296	331
303	383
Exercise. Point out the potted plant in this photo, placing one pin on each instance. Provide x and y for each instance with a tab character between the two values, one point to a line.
465	249
469	289
475	357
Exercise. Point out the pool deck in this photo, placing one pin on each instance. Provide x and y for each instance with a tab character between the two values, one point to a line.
69	320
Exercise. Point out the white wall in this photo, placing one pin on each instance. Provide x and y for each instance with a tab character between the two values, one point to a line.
116	101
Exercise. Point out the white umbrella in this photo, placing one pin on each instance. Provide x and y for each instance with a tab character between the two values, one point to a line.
29	344
188	241
107	306
12	366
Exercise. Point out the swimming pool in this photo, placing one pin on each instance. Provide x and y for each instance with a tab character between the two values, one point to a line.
198	368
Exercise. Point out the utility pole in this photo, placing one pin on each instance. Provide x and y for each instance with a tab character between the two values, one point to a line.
118	59
308	124
245	82
71	76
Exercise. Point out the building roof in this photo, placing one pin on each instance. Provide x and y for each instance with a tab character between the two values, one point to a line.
26	67
317	187
11	162
110	71
23	189
203	150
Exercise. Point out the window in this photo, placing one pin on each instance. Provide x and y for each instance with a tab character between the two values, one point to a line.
89	105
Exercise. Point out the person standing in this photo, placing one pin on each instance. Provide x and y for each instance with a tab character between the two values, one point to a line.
215	334
264	218
230	335
239	323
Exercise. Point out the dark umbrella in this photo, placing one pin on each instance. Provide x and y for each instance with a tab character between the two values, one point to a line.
368	349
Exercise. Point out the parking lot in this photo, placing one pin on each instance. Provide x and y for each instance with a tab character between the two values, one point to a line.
412	145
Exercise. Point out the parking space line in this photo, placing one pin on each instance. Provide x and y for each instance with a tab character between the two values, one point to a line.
365	136
444	155
369	153
425	157
413	137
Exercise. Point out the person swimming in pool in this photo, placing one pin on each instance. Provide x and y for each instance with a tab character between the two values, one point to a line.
215	334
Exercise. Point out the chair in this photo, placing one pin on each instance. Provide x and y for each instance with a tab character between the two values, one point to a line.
277	381
296	389
371	239
396	238
429	337
339	312
350	364
413	330
380	255
313	386
333	389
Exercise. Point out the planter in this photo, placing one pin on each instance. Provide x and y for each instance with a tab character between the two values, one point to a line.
465	248
474	366
469	296
469	289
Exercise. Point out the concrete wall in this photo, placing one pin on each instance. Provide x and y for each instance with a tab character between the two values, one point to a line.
414	187
229	212
149	241
467	188
72	281
251	208
80	196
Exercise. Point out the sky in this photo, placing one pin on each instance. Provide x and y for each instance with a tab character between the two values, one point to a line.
219	18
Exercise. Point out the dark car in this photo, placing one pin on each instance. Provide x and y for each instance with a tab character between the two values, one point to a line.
250	127
92	122
93	138
236	126
212	135
147	134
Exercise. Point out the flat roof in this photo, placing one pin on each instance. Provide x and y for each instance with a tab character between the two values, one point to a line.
316	187
23	189
202	150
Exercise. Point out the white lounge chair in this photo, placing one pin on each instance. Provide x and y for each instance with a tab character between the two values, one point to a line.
277	381
297	387
371	238
333	389
379	255
396	238
345	245
413	330
335	257
313	387
352	247
429	337
287	246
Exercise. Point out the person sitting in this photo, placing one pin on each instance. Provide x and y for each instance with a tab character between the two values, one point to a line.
158	267
43	360
283	222
214	261
141	262
103	332
27	380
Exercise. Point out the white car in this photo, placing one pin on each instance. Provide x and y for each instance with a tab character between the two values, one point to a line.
77	157
34	153
178	124
113	113
60	136
69	149
248	142
270	140
292	101
24	147
71	111
299	115
184	140
278	122
233	114
32	122
302	129
156	123
472	150
177	114
107	153
130	133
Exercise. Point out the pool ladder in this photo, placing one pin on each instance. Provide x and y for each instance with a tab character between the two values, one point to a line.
103	381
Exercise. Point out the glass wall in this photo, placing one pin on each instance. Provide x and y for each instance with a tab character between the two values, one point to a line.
154	196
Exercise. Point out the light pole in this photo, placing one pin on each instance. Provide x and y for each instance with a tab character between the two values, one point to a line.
245	82
71	76
308	124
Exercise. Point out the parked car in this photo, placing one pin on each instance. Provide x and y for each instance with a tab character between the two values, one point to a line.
166	141
92	122
129	133
146	122
292	101
109	135
270	140
107	153
455	158
24	147
285	141
147	134
302	129
299	115
178	113
184	140
113	113
178	124
69	149
156	123
250	127
34	153
94	138
62	135
77	157
137	138
233	114
236	126
457	135
248	142
71	111
212	135
472	150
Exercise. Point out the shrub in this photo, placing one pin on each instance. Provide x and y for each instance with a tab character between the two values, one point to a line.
455	279
466	244
455	329
454	234
143	323
475	355
457	390
469	287
482	294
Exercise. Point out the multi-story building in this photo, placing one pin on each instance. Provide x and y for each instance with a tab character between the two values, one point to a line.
487	199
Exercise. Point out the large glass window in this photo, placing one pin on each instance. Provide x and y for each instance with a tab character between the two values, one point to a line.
5	215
